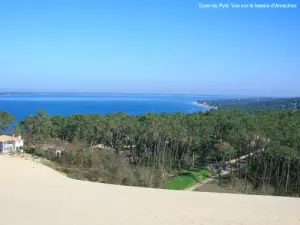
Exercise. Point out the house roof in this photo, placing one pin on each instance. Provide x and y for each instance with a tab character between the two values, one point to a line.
9	138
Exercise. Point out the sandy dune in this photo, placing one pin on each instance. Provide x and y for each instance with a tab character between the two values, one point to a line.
32	194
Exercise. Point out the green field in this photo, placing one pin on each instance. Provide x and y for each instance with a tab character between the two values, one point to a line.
188	178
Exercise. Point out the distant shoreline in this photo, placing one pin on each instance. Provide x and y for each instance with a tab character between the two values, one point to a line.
205	104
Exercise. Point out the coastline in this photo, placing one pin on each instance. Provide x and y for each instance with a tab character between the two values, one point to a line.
204	104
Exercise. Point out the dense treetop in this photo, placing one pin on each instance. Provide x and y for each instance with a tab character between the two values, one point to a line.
172	142
256	103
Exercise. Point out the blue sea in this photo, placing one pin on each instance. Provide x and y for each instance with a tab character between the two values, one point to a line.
24	104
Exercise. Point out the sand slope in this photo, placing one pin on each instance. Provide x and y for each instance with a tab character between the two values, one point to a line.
31	193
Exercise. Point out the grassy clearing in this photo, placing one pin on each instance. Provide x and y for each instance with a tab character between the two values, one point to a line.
188	178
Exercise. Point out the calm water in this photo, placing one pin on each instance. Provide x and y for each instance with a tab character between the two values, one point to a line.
21	105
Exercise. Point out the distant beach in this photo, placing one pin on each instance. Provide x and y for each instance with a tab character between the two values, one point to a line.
205	105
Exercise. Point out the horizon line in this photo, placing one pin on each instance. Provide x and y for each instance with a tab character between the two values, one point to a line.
145	93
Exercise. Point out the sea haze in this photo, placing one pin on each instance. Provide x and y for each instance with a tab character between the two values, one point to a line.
23	104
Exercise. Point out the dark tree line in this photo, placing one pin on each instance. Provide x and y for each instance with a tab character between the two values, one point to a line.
256	103
172	142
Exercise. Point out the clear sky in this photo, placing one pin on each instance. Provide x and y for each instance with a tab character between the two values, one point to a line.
161	46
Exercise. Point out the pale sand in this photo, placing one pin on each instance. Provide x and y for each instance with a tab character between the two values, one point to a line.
33	194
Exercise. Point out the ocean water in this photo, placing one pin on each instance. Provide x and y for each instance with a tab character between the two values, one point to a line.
24	104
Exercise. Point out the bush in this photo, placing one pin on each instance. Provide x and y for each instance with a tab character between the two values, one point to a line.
29	150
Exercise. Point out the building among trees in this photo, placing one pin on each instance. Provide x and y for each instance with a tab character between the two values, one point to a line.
10	144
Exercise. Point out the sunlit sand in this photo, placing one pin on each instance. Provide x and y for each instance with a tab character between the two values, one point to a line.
33	194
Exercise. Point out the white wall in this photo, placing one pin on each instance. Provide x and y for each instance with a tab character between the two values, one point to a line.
8	147
19	143
12	147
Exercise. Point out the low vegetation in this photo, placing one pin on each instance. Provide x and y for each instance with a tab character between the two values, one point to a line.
187	179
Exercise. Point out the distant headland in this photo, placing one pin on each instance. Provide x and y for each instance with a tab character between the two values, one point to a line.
253	103
205	104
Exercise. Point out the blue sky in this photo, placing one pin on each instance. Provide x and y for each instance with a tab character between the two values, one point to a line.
148	46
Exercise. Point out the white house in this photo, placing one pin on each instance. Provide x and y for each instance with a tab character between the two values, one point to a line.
10	143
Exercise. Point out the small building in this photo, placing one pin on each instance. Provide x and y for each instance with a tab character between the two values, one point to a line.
49	149
10	143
